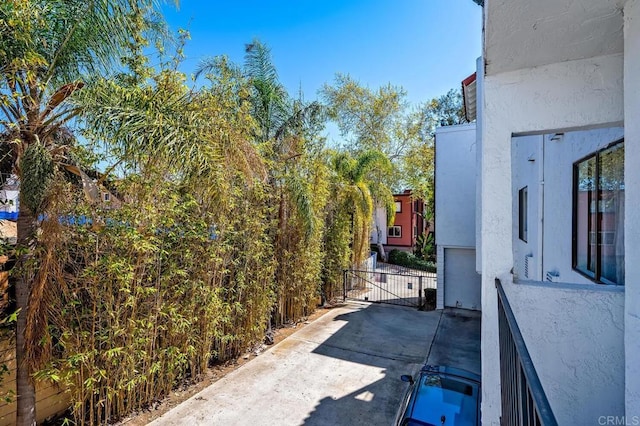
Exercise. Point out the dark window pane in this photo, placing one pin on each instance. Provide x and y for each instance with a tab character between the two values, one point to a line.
523	214
586	216
611	208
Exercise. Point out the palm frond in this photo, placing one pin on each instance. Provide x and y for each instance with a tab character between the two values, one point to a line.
206	66
270	100
343	164
368	161
302	201
390	208
364	201
258	63
300	117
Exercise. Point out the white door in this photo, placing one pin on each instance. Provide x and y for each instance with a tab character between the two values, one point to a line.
461	281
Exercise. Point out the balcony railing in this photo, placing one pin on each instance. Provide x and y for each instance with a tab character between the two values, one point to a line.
523	399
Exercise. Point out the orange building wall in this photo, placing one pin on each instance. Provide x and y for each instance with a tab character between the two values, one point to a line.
405	219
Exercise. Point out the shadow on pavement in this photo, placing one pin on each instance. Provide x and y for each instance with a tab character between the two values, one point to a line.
391	339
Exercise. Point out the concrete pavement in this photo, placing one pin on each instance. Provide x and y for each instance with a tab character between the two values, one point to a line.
457	341
342	369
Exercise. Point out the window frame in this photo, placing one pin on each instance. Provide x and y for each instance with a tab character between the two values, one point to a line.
595	276
398	227
398	206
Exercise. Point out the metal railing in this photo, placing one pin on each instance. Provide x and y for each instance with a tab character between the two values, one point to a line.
523	399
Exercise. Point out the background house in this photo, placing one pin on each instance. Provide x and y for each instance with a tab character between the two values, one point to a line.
409	223
9	199
455	196
9	195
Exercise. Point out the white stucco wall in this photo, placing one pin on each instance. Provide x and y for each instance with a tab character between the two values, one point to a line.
455	166
561	96
526	160
479	119
440	277
554	159
558	167
575	339
379	221
574	332
456	173
632	215
9	203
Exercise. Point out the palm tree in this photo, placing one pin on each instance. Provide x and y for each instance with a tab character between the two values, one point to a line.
49	49
355	190
283	125
283	129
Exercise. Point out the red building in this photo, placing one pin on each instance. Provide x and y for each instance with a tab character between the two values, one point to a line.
409	222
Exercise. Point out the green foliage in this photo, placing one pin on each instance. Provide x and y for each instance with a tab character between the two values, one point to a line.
425	247
230	215
62	39
337	249
445	110
368	119
49	50
153	294
419	157
352	190
287	133
271	107
403	258
373	121
37	174
218	234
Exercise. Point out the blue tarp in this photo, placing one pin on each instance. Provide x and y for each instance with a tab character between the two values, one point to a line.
8	215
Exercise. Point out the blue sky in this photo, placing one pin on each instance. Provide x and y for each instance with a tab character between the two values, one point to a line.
425	46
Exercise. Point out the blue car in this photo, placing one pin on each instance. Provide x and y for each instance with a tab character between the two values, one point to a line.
440	395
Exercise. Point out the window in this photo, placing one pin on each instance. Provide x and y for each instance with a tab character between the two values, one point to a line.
523	214
598	215
607	238
398	206
106	196
395	231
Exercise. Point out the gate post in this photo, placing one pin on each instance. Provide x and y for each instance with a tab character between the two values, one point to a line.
420	292
344	285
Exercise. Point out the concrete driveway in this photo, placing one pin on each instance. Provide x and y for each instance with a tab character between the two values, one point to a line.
457	341
343	369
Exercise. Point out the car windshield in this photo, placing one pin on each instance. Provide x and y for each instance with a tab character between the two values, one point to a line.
440	398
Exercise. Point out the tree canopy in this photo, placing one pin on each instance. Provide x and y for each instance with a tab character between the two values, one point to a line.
165	225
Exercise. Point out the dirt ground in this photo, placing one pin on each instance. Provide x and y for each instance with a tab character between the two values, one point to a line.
213	374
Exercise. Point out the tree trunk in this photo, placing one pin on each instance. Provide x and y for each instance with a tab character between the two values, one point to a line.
383	254
25	388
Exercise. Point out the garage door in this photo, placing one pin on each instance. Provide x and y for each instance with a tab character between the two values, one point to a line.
461	282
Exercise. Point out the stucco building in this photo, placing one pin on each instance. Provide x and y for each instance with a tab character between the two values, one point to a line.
557	237
409	223
455	195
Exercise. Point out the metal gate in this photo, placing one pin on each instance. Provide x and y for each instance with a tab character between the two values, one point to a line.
384	283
